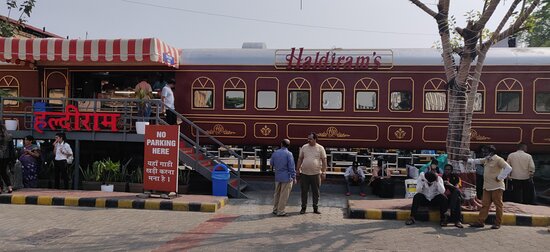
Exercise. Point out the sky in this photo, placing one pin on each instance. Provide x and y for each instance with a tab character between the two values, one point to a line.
280	24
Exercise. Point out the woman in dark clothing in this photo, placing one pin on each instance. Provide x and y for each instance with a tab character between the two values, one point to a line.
30	162
6	155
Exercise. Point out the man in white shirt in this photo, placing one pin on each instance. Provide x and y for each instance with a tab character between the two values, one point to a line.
429	192
355	174
523	169
167	98
495	171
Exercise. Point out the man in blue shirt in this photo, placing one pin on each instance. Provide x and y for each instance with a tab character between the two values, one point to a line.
282	163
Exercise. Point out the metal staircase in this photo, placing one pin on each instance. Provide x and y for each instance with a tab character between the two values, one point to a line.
203	162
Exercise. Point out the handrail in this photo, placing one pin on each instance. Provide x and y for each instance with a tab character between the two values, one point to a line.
199	130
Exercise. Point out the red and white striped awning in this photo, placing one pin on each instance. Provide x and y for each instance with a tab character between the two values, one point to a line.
45	51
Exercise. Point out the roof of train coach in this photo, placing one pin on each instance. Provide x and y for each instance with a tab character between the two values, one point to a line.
401	56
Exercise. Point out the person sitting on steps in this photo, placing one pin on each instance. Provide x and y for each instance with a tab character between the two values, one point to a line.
355	174
429	192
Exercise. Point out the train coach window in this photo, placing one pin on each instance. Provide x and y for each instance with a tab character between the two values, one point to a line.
332	100
542	102
10	92
508	101
298	100
365	100
203	98
234	99
266	100
435	101
56	93
400	101
478	102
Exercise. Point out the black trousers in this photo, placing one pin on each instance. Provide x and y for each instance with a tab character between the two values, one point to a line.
171	117
4	172
60	169
479	186
455	203
420	200
523	191
313	182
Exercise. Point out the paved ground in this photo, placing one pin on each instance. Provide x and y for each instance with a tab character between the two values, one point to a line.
243	225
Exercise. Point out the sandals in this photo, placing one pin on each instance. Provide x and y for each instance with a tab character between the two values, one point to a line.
458	224
410	221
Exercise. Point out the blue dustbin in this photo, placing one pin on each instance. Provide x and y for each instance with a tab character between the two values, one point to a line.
220	177
39	107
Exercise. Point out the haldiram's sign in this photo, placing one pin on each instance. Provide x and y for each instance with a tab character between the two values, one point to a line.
337	59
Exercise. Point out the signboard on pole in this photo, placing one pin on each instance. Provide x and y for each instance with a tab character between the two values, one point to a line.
160	160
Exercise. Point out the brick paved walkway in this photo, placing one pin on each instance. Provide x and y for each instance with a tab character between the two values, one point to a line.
243	225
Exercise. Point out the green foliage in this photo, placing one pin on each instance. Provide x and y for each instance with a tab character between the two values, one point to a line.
88	174
106	170
538	32
24	10
137	175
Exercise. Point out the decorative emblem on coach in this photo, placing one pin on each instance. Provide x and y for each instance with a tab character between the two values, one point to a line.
218	129
400	133
265	130
475	136
332	132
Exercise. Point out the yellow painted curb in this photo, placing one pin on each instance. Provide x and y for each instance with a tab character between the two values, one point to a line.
71	201
44	200
374	214
100	202
179	206
211	207
125	203
152	205
18	199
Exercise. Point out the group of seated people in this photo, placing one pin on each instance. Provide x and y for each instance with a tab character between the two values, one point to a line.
433	189
355	175
438	190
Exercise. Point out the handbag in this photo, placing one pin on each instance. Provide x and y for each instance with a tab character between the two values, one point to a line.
70	159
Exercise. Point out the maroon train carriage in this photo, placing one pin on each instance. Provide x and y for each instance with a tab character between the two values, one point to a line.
397	99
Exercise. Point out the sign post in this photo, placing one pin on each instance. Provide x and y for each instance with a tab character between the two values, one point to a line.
160	160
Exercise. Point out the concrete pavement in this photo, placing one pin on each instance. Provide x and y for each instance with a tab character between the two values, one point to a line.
243	225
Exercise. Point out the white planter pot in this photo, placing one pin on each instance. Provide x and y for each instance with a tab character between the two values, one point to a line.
107	188
11	124
140	127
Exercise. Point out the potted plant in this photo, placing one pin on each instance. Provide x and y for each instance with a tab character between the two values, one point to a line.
106	170
88	179
184	177
136	181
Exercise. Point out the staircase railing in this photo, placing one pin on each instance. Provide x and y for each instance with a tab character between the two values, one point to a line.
199	132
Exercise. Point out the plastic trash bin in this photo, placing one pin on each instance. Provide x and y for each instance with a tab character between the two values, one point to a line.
220	178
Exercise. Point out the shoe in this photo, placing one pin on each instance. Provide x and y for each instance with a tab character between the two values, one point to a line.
495	226
316	211
477	225
281	214
10	189
362	194
348	194
303	211
410	221
274	212
458	224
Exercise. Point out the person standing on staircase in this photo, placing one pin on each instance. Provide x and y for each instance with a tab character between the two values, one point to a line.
167	97
282	162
